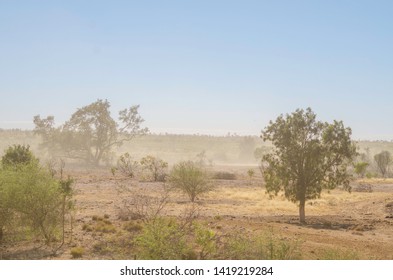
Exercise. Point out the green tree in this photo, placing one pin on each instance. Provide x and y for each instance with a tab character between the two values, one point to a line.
383	160
190	178
308	156
91	132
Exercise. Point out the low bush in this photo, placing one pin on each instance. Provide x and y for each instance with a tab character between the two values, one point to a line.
127	166
163	239
265	246
77	252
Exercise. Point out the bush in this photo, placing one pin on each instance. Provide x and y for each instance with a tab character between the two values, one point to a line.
266	246
133	226
190	178
77	252
156	167
206	239
18	155
127	165
361	168
30	196
163	239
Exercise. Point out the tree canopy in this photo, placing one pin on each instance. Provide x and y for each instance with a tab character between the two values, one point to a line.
308	156
383	160
91	132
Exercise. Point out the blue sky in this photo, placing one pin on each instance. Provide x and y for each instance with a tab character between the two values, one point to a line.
208	67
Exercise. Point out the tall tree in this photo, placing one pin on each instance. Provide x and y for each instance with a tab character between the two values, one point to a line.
91	132
383	160
308	156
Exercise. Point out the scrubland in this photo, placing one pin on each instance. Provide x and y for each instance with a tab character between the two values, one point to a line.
118	217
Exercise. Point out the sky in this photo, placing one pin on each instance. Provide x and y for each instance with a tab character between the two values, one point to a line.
200	67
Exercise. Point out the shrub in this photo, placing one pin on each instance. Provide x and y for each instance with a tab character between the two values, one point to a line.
18	155
266	246
31	197
127	165
132	226
77	252
156	167
361	168
163	239
190	178
35	197
206	239
105	227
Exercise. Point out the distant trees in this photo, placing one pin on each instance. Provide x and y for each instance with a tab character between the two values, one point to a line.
383	160
308	156
91	132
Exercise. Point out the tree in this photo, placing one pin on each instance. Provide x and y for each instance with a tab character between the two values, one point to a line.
308	156
91	132
383	160
190	178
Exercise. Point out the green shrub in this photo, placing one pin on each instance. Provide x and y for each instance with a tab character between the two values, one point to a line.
133	226
77	252
35	198
18	155
190	178
250	173
105	227
266	246
163	239
206	240
361	168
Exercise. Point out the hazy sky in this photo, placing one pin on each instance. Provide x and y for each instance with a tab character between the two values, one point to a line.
208	67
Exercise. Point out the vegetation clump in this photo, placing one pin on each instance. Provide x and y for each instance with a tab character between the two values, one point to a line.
17	155
190	178
31	197
77	252
156	167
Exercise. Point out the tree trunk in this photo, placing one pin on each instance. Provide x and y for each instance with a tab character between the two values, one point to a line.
1	234
302	212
